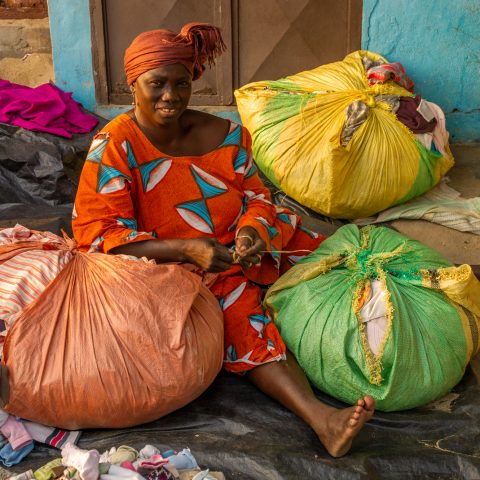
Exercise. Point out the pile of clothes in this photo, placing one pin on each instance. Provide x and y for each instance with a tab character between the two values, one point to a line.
124	463
17	438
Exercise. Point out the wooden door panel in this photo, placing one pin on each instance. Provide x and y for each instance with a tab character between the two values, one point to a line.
284	37
124	19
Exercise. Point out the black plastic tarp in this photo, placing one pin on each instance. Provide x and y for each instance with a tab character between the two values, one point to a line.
236	429
38	177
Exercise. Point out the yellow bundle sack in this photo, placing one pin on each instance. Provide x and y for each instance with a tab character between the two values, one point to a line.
298	130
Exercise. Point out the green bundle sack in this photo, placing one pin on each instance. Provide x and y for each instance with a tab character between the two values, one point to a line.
426	309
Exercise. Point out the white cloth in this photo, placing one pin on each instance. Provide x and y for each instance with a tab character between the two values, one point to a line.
442	205
440	134
425	111
106	456
43	434
148	451
426	139
374	314
84	461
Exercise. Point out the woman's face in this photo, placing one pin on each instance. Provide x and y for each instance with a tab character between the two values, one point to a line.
162	94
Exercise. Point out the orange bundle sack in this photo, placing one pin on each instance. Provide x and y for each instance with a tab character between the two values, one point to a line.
111	342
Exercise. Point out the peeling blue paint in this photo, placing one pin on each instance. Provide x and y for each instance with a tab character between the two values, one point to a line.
438	42
70	30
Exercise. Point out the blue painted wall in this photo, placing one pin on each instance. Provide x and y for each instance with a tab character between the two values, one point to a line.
438	42
72	49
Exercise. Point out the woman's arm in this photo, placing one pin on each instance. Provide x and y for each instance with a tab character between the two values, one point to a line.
206	253
104	217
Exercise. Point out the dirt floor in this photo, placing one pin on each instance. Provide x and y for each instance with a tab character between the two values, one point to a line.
32	70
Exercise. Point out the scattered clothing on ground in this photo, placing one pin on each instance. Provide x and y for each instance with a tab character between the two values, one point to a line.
18	437
147	464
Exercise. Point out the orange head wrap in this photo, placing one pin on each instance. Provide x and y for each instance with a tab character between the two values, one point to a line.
196	44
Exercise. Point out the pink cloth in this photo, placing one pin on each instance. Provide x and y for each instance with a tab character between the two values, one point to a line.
440	133
15	433
128	465
43	109
152	463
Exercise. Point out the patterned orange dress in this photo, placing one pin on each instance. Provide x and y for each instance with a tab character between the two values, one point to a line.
130	191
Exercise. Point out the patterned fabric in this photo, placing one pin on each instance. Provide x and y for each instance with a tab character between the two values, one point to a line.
54	437
160	474
25	272
357	112
129	191
390	71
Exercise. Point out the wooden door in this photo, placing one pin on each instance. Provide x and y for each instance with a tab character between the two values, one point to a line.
277	38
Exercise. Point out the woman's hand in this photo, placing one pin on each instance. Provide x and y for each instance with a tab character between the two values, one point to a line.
249	247
207	254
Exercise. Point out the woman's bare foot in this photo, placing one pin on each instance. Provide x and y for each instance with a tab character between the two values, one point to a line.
285	382
340	427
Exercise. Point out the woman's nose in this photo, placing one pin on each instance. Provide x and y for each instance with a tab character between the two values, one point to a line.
169	93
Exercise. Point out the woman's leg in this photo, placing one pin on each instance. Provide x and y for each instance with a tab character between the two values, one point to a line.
253	345
285	382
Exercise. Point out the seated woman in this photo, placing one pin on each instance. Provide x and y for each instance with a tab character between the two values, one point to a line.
178	185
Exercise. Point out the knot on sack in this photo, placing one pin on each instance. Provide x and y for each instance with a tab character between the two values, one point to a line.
368	98
70	243
366	265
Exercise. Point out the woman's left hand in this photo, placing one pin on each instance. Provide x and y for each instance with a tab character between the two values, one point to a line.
249	247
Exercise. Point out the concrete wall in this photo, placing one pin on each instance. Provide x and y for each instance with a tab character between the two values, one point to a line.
19	37
25	50
438	42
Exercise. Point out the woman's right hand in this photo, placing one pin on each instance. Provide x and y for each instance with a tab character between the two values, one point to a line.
208	254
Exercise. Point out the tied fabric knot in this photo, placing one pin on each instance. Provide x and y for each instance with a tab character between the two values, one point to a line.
368	98
363	265
70	244
366	265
